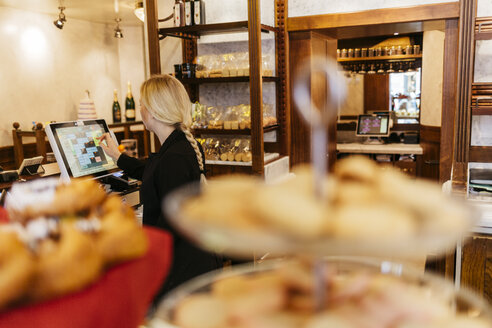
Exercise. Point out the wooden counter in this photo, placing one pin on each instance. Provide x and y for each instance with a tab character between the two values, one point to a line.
130	196
393	148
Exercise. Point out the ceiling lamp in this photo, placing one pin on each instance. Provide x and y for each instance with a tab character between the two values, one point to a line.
61	19
139	10
117	31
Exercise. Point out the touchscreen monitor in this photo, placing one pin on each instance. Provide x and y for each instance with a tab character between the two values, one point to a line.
77	149
373	125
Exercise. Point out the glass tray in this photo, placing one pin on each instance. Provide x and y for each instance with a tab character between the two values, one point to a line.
248	244
463	302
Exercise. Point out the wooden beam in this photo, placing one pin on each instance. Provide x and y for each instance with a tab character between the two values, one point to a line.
375	17
449	85
462	122
481	154
283	87
255	86
152	21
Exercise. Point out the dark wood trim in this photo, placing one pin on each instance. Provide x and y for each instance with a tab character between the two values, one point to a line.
233	79
195	31
449	85
306	46
376	92
474	253
256	85
430	133
375	17
462	124
480	154
299	51
283	87
152	22
430	139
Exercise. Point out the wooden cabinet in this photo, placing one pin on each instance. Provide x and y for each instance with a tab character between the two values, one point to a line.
476	265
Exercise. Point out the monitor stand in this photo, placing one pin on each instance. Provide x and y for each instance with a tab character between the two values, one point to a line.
374	141
119	181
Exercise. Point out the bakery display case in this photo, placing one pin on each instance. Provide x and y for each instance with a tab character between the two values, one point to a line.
239	86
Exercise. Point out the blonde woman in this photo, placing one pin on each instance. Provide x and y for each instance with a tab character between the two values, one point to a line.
166	110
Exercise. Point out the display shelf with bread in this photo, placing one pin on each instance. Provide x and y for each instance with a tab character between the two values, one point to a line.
233	68
245	131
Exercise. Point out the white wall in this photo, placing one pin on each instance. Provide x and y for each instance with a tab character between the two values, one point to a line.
354	104
46	70
484	8
319	7
432	74
131	52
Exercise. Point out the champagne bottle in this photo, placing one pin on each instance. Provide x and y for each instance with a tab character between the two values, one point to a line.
116	108
188	13
129	105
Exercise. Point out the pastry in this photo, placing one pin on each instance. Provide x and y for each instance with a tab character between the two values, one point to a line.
119	238
49	197
65	265
359	202
74	231
16	269
270	299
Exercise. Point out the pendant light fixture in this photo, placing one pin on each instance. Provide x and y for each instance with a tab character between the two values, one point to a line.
60	21
139	10
118	33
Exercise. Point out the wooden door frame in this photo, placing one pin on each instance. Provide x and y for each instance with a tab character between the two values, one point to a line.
389	18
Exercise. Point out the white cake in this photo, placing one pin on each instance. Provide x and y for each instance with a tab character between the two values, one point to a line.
87	109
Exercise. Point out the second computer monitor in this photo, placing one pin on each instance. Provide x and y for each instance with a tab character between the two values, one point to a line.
373	125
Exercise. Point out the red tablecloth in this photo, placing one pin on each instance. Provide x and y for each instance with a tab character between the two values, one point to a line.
119	299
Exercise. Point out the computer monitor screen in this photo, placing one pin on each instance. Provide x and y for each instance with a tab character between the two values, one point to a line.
373	125
77	149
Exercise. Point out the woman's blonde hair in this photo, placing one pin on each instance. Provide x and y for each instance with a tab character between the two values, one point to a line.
167	101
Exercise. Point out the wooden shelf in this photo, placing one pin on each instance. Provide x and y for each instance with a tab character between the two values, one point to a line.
375	58
483	35
482	110
481	154
269	158
195	31
232	132
483	28
225	79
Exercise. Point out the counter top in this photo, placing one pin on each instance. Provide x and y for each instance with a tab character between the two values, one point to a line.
393	148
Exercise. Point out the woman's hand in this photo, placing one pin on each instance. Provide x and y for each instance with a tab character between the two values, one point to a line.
110	147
